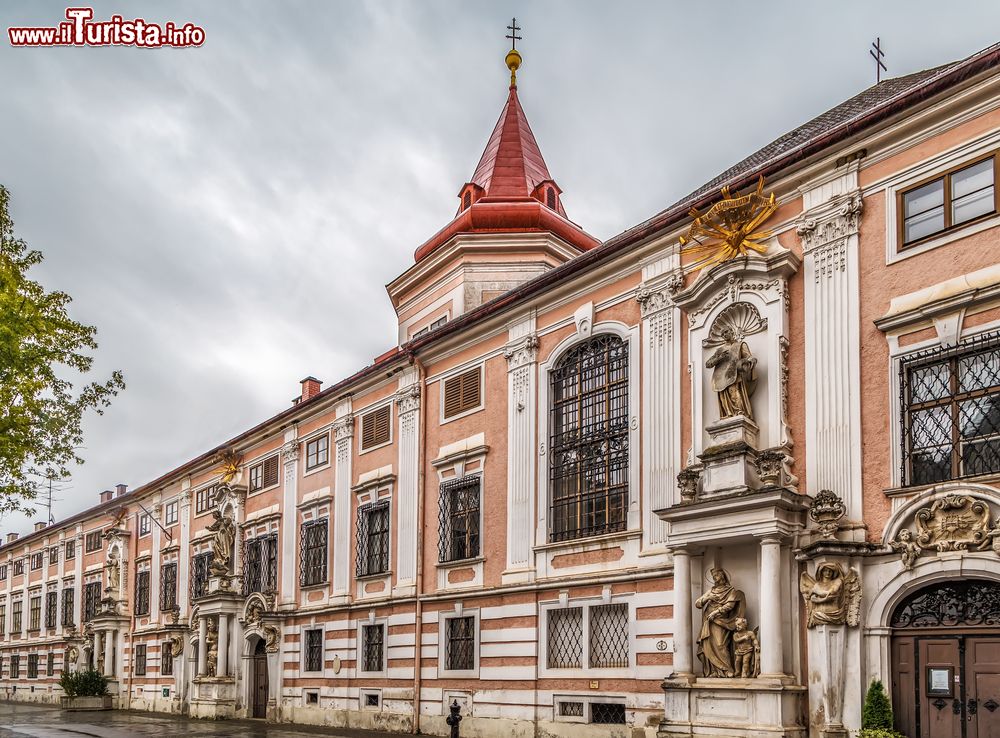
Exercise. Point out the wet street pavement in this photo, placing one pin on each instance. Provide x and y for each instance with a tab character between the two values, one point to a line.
18	720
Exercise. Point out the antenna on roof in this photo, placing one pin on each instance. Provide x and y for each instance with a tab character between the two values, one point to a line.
878	55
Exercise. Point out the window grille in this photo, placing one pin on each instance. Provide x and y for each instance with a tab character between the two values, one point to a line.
51	603
15	666
313	552
91	600
458	519
314	650
607	713
571	709
373	538
264	474
462	392
166	659
565	638
609	627
142	593
53	555
35	614
371	699
50	666
950	401
32	666
204	500
199	574
68	604
373	643
168	587
318	451
15	617
70	550
460	644
550	197
140	659
376	427
466	200
92	541
589	440
260	565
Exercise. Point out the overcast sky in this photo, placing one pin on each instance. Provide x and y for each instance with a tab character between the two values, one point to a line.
228	216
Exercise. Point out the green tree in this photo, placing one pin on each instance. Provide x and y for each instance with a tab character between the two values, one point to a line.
877	710
41	350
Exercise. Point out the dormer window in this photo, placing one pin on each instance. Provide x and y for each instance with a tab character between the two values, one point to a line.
550	197
467	200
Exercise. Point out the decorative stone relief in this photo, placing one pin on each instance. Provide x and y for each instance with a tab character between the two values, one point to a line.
272	638
518	355
770	465
951	523
408	400
290	452
687	483
827	510
343	428
176	646
835	224
833	597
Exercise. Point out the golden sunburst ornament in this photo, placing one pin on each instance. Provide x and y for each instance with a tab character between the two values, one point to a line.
229	465
731	224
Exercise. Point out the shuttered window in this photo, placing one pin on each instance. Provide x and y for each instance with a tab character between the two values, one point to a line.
264	474
462	392
375	427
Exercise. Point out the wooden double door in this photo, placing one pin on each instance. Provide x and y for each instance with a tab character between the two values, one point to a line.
258	684
947	685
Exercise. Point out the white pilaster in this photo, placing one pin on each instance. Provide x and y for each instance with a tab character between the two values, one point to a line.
289	517
78	582
343	434
222	659
154	568
522	372
771	603
184	556
829	232
407	407
60	572
109	654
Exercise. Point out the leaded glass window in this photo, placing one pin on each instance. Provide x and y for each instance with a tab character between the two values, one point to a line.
589	438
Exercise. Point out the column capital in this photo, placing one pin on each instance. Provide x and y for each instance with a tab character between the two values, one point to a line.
408	399
768	539
343	428
523	352
290	451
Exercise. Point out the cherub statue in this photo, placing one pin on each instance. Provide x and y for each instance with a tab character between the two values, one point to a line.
907	547
746	650
833	597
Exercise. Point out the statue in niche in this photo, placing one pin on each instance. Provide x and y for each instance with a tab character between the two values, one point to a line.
746	650
113	568
723	605
222	544
733	365
212	647
833	597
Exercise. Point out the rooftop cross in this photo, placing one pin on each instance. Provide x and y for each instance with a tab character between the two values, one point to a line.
878	55
514	38
513	59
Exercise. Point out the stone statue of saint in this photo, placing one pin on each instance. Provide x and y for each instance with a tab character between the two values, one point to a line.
746	651
222	544
832	598
211	647
733	375
113	568
723	605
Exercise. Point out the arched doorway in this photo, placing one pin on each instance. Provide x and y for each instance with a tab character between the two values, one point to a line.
946	660
258	680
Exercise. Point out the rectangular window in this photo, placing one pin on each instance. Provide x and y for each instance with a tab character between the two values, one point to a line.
314	650
317	451
952	199
260	565
376	427
140	659
603	644
373	647
51	605
92	541
50	666
3	572
53	555
313	552
15	666
199	574
68	603
168	587
35	614
70	550
458	519
18	567
166	659
91	600
144	524
460	644
373	539
170	514
3	619
607	713
462	392
609	629
204	500
264	474
32	666
565	638
951	412
430	327
142	592
37	560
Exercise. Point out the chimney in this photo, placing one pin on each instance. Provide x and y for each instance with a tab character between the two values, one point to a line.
310	388
40	525
106	495
11	537
122	489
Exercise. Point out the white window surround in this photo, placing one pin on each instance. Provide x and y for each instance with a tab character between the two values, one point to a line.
361	649
363	699
587	700
325	431
585	671
481	363
955	157
443	618
260	460
370	409
305	657
626	333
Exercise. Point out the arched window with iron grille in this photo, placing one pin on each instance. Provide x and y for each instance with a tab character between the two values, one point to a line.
589	436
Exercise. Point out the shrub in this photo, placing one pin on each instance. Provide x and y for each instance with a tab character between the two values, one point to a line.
879	733
877	711
89	683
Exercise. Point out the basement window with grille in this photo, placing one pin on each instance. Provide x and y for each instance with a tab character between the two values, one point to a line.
166	659
463	394
950	404
588	635
376	428
600	710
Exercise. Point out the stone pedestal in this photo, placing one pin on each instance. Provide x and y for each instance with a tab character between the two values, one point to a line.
213	698
728	461
749	708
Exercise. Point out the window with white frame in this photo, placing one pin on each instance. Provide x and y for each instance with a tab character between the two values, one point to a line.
373	539
599	710
264	474
37	560
53	555
204	500
313	552
373	647
458	518
588	635
144	524
317	451
170	513
70	550
313	660
459	643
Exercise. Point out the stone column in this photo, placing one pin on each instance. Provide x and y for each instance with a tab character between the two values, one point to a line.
522	454
771	649
683	635
222	659
202	650
109	654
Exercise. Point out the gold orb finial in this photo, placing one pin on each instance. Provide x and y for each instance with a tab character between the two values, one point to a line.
513	62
